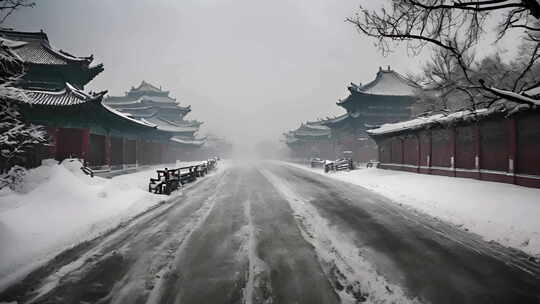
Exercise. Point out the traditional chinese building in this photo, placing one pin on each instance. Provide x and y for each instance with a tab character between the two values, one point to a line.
499	144
154	106
388	98
46	67
311	139
79	125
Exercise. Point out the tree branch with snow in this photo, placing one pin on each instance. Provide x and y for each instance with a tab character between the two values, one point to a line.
453	29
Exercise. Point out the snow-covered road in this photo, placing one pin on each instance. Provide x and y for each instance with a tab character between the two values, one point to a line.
272	233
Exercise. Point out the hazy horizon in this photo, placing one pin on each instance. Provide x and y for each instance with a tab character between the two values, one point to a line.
251	70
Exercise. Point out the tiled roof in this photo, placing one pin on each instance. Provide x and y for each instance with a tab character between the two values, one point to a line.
147	87
159	99
312	129
69	96
188	140
387	83
162	100
169	126
35	48
128	117
334	120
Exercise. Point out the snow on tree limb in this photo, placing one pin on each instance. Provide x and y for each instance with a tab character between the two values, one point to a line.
455	28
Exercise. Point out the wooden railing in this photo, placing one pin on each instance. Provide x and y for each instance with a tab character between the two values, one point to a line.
339	165
169	180
86	169
317	163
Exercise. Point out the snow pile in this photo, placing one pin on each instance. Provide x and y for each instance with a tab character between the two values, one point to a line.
58	206
505	213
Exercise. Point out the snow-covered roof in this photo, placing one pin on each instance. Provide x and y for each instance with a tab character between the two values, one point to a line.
121	100
169	126
425	121
312	129
68	96
290	138
189	141
389	83
128	117
335	120
71	96
148	87
35	48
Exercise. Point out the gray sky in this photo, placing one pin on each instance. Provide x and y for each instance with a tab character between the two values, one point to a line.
251	69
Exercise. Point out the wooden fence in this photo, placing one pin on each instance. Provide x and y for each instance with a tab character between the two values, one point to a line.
169	180
335	165
339	165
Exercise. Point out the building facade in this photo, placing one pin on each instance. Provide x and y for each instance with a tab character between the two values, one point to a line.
487	144
388	98
154	106
311	140
79	125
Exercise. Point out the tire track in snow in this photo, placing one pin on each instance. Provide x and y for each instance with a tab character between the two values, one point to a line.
258	288
115	247
211	265
353	278
196	222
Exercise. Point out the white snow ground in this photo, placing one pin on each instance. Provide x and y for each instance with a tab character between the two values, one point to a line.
507	214
58	207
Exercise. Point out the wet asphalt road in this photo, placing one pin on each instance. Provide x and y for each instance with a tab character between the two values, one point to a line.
270	233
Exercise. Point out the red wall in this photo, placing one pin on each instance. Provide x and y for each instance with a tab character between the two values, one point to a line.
397	150
465	147
440	147
496	149
71	143
117	151
410	150
528	141
130	152
97	151
425	147
494	145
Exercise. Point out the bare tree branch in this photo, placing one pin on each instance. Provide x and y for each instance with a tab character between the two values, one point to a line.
455	27
8	7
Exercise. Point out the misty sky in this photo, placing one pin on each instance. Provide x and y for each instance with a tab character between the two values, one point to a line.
251	69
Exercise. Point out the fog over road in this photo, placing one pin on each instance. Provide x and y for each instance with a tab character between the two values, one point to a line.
270	233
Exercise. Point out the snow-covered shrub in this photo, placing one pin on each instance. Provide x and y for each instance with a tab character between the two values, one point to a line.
17	137
13	178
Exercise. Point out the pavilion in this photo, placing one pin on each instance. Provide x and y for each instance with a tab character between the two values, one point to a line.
79	125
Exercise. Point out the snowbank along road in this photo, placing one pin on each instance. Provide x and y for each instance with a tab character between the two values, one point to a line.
271	233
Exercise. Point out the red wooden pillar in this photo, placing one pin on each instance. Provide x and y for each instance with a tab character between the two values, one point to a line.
53	148
159	152
137	152
418	152
402	156
85	144
512	151
124	151
430	151
108	150
477	147
453	150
